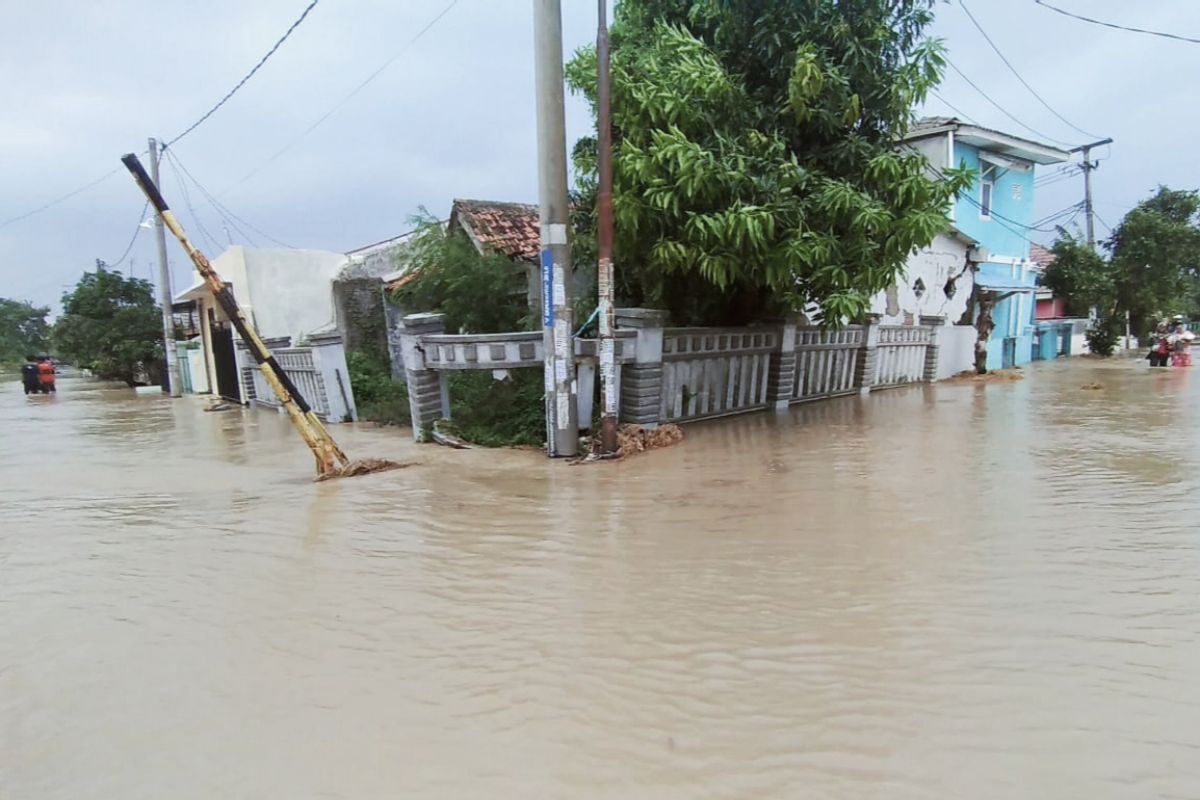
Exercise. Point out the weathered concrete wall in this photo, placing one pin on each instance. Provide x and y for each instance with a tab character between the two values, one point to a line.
957	350
360	315
921	290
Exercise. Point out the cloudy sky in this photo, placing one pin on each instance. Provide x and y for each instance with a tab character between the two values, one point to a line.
452	116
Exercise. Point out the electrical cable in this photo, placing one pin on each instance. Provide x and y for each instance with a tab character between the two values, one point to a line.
1115	26
1002	109
129	247
1024	82
951	106
187	200
223	210
247	77
337	106
61	198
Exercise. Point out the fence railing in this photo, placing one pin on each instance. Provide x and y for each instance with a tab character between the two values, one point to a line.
710	372
683	374
826	362
318	370
901	354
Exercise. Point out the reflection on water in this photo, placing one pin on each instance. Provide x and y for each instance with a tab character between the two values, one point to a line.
958	591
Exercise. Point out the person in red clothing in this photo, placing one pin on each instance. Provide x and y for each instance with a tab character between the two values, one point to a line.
46	375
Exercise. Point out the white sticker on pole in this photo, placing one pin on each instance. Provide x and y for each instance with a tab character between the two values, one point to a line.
560	287
610	396
560	371
563	417
554	233
607	352
549	380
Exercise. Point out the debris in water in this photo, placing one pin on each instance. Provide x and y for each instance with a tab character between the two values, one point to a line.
447	439
364	466
995	376
636	439
1092	387
218	405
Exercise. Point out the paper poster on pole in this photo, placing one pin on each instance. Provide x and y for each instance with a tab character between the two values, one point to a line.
560	287
563	417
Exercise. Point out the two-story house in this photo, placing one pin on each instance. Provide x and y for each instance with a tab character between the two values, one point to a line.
995	214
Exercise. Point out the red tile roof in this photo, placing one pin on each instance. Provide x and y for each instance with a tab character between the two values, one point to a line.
1040	255
511	229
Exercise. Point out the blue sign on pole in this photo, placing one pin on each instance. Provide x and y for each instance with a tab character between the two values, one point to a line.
547	289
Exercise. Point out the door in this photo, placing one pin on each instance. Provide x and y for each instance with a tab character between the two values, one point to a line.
1009	358
225	361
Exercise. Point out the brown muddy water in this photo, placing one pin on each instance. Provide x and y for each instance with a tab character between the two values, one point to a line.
953	592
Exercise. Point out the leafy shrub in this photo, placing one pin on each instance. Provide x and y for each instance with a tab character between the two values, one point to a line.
1102	340
495	413
379	398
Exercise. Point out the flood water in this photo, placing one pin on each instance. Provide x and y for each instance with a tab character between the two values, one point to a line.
961	591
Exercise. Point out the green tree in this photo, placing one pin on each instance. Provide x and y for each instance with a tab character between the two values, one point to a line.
1156	257
23	330
755	164
110	324
1082	276
478	293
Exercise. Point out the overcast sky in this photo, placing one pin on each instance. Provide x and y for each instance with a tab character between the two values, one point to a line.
453	116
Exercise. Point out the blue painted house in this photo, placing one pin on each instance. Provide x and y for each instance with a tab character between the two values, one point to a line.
996	212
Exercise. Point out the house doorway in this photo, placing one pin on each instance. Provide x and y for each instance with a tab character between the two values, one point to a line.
224	360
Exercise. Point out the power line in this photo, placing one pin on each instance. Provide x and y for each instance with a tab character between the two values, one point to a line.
248	76
61	198
129	247
1024	82
223	210
344	100
1114	26
951	106
187	200
1001	108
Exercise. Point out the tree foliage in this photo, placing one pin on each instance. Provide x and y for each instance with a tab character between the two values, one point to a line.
478	293
1082	276
110	324
23	330
1156	257
755	163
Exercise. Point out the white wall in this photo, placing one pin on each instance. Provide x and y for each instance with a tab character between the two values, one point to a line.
291	291
957	353
934	266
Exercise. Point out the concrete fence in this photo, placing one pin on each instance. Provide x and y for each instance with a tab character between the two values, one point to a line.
318	370
680	374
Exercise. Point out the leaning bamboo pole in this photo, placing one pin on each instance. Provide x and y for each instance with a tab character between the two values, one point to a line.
330	459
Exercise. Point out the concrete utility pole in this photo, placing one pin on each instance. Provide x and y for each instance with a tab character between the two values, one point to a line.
604	239
1087	167
165	295
562	423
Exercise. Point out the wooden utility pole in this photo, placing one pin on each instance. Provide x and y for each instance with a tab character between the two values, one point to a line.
562	414
173	385
604	239
1088	166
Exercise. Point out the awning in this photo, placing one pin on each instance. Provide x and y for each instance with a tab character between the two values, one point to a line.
192	293
993	285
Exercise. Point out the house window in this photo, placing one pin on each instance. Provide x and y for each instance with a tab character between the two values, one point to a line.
987	187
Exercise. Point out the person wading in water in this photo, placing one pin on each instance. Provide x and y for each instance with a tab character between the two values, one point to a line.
29	376
45	370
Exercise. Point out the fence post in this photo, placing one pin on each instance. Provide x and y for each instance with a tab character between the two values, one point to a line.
781	381
933	351
865	377
641	379
329	359
426	394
